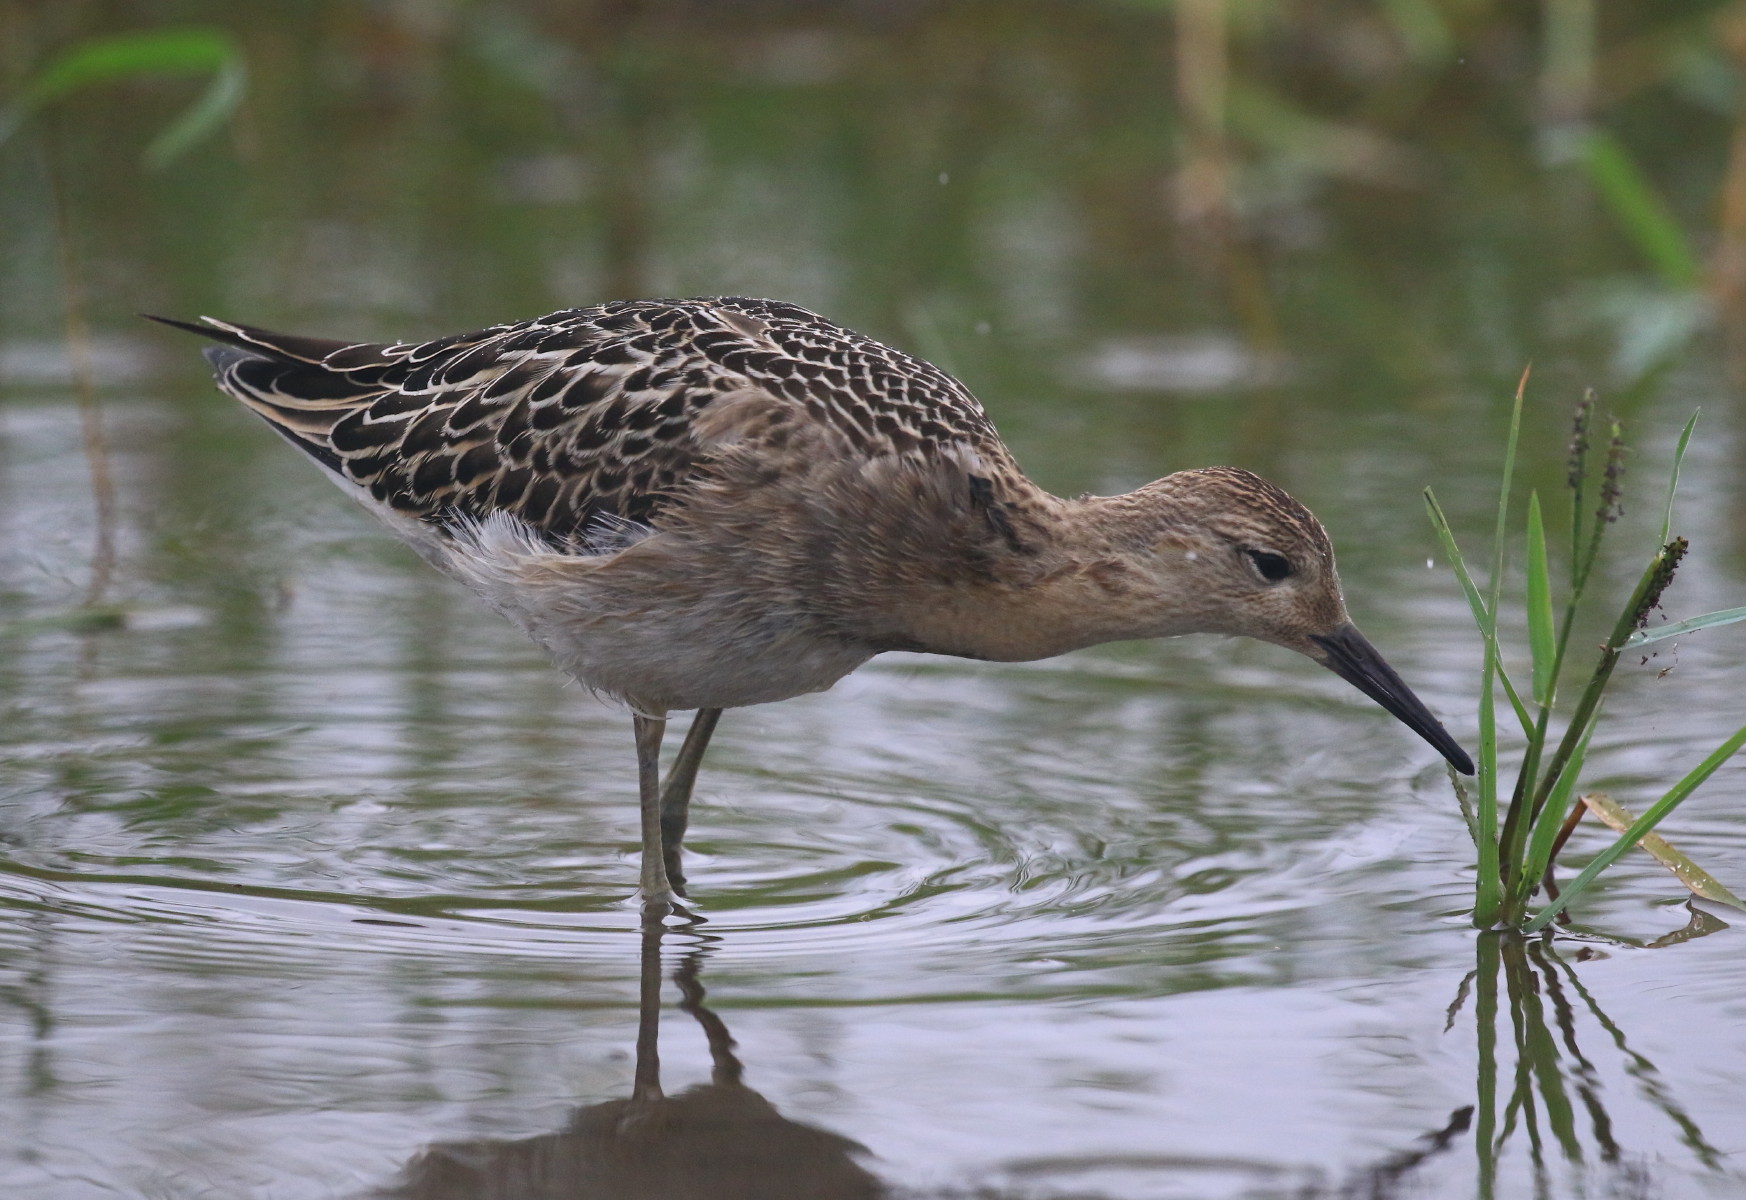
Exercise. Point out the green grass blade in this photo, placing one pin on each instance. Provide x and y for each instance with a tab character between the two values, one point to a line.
1546	650
1634	204
1483	821
201	118
1642	825
1516	702
1488	897
1503	501
1475	603
1673	478
126	56
1542	640
106	60
1703	885
1726	616
1489	886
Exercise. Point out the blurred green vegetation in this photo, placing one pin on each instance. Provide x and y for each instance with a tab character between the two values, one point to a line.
1081	206
125	58
1109	165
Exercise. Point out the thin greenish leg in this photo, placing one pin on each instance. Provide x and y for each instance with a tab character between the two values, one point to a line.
676	796
658	897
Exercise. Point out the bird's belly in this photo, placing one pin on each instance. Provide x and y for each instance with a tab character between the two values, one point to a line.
659	634
659	664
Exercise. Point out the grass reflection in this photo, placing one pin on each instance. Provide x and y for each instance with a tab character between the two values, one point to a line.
1551	1096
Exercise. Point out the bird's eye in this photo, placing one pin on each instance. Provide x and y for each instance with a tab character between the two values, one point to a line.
1273	567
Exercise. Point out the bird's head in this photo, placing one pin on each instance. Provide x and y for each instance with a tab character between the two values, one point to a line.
1228	552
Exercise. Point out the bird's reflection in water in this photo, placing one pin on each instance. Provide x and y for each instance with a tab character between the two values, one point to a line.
723	1141
717	1141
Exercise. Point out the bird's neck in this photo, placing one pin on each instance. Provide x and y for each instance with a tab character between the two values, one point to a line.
1062	575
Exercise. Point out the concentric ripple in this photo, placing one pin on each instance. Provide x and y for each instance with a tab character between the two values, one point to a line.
922	818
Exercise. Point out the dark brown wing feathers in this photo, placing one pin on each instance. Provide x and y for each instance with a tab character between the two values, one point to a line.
583	414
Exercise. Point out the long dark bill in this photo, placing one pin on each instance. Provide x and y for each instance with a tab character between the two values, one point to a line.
1350	655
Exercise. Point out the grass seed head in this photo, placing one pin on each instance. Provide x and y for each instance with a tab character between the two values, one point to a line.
1579	441
1666	563
1612	483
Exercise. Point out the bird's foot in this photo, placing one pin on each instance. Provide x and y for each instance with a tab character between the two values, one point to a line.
659	905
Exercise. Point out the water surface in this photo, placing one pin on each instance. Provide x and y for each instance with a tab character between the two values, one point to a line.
316	881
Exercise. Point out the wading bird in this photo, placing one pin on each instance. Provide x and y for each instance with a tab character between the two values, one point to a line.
704	504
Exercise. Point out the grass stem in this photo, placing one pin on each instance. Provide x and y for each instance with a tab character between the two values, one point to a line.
92	436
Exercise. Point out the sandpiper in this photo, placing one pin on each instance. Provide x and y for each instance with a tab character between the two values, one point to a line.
703	504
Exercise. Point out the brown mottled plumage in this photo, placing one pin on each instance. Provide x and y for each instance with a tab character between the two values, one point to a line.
714	503
587	412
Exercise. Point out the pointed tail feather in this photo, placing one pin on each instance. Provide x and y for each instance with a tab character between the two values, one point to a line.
262	343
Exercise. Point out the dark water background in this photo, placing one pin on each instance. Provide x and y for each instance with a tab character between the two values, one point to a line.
315	880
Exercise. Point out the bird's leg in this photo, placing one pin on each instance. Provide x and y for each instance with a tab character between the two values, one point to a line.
676	796
658	897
